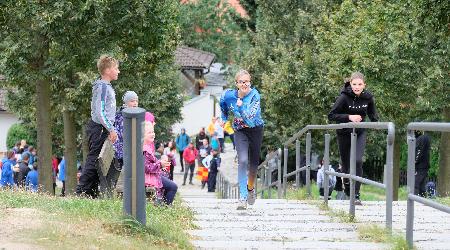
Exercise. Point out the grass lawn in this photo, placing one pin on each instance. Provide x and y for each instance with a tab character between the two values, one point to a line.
68	223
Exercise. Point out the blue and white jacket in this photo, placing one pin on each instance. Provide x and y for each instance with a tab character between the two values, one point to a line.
248	115
7	178
103	104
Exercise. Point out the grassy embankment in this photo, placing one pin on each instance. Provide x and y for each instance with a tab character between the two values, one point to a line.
68	223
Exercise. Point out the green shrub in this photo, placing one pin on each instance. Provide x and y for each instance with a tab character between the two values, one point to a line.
18	132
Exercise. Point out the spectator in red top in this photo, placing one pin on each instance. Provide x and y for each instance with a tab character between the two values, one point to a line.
55	164
189	156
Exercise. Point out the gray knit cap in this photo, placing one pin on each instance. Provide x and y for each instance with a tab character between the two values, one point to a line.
129	96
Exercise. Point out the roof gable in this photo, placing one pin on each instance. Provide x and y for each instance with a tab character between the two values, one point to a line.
190	58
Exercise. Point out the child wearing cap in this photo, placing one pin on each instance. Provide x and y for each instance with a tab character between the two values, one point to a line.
212	162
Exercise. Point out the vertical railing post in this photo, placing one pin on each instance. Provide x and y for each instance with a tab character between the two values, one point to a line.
134	201
297	164
410	188
389	168
269	180
308	163
326	163
286	154
279	174
352	173
264	180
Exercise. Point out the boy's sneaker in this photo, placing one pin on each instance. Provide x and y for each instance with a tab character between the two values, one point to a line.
357	200
242	205
251	197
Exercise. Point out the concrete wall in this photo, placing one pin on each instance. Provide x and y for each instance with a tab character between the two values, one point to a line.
6	121
196	113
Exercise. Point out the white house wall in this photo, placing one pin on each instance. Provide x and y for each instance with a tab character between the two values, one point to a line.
196	113
6	121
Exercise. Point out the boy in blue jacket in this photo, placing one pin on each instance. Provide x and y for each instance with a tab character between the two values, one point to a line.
101	125
7	179
31	182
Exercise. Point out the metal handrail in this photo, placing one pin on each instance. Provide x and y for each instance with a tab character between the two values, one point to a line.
266	175
411	139
387	185
226	188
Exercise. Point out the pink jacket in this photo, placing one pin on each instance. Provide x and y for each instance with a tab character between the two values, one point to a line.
152	167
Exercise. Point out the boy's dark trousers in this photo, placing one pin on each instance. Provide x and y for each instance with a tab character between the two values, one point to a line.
322	191
89	178
420	182
212	181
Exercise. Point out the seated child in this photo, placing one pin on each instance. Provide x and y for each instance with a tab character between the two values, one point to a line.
155	170
320	181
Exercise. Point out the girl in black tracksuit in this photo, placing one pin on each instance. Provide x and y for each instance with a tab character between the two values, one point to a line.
353	105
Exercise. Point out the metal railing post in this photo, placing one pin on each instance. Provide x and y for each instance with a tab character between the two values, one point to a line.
326	163
286	153
269	180
410	187
308	163
263	181
297	163
134	201
279	174
389	168
352	172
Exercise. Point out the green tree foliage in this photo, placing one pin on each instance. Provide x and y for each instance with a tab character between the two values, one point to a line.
304	49
60	42
142	35
18	132
211	25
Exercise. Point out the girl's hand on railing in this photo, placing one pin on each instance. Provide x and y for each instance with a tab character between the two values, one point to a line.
355	118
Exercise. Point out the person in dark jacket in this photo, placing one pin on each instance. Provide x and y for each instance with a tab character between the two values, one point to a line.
23	171
422	163
199	139
213	164
353	105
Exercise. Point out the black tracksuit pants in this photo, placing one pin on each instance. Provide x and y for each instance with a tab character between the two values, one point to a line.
344	143
212	176
420	179
89	178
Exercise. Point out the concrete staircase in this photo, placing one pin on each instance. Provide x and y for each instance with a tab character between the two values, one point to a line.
270	224
283	224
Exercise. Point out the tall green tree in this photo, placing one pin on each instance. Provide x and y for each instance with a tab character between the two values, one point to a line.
304	49
141	34
210	25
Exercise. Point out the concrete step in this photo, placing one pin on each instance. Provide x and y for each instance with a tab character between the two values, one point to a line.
243	244
263	217
265	235
273	225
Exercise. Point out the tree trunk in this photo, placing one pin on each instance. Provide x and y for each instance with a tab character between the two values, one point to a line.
396	170
70	151
44	138
443	187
